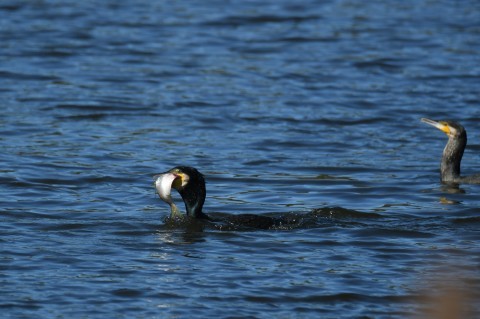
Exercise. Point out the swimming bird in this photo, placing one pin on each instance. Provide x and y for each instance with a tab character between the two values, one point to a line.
190	184
453	152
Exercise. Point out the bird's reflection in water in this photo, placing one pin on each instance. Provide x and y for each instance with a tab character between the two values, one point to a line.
452	188
175	233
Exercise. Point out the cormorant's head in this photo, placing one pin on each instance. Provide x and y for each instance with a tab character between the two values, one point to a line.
452	129
189	183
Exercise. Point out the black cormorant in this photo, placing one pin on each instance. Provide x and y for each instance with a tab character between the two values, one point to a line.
190	184
453	152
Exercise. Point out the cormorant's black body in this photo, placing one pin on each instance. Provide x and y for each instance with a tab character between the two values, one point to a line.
194	192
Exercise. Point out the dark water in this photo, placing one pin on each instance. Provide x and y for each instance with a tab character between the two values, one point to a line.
286	107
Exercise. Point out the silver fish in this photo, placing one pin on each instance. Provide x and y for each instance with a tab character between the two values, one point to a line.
163	184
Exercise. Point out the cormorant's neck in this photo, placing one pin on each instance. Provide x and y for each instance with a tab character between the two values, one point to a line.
193	196
452	156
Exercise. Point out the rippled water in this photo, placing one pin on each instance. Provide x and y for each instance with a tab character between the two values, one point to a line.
308	109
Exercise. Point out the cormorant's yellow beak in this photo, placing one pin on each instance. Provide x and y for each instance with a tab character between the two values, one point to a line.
441	125
177	182
180	181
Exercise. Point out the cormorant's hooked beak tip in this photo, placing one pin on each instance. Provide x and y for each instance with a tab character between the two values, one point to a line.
445	128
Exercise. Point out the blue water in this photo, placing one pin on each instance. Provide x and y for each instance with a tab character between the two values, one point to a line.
308	109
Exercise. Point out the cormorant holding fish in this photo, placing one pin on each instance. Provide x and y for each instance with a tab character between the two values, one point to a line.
453	152
190	184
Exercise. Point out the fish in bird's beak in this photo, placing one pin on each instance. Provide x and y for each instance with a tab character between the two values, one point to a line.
163	184
442	126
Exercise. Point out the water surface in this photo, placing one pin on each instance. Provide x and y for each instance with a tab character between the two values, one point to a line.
300	109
